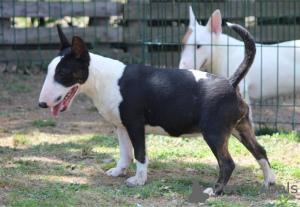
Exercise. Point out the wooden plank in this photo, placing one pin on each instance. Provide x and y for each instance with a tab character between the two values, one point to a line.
5	22
272	33
203	10
135	10
134	32
27	56
59	9
41	35
267	33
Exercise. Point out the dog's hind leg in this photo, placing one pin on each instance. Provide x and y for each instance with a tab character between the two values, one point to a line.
244	132
219	146
247	98
126	155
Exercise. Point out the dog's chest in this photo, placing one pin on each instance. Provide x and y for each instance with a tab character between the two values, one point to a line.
106	93
108	104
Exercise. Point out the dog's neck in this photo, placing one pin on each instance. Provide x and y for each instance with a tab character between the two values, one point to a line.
101	72
102	86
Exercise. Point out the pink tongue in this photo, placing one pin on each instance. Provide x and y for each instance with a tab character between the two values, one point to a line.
56	109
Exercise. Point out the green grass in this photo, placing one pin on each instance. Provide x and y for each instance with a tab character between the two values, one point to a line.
163	147
51	184
283	201
19	88
281	133
44	123
265	130
52	194
285	169
92	108
20	139
3	114
226	202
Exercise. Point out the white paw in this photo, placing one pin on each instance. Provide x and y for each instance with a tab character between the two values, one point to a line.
116	172
209	191
136	180
269	176
269	182
269	179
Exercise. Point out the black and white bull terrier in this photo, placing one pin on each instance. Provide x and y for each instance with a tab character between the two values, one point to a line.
140	99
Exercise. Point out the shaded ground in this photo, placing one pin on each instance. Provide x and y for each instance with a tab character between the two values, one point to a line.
49	162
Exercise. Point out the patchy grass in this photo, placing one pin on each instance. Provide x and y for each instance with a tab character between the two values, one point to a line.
16	85
19	88
44	123
281	133
20	139
66	170
52	194
265	130
92	108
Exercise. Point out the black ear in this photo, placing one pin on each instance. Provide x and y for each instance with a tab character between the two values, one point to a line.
64	42
79	49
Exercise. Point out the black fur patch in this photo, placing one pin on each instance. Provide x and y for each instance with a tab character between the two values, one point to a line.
172	99
71	70
64	52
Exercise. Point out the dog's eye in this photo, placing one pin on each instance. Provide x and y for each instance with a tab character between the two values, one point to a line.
61	75
198	46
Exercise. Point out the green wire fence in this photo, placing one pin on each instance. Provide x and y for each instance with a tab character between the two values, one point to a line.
270	22
148	32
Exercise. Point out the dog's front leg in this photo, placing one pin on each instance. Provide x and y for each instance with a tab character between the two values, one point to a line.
136	133
125	154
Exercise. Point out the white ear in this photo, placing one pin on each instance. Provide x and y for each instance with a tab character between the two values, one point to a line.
214	23
192	18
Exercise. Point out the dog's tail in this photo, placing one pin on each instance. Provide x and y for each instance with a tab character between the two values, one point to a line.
250	51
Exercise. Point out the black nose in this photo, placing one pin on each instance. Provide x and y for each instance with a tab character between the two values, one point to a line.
43	105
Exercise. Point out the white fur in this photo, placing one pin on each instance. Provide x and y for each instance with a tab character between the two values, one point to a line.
209	191
140	177
125	154
236	134
155	130
269	177
199	74
223	60
102	86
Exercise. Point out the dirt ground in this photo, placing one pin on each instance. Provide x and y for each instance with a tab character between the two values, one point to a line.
19	109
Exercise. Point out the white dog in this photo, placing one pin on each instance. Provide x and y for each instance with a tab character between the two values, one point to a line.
276	67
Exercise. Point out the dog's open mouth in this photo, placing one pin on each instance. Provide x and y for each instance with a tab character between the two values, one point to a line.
64	104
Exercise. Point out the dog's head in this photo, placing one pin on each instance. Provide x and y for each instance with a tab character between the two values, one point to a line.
196	48
66	74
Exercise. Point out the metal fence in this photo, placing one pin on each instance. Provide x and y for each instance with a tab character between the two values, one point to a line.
151	32
270	22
